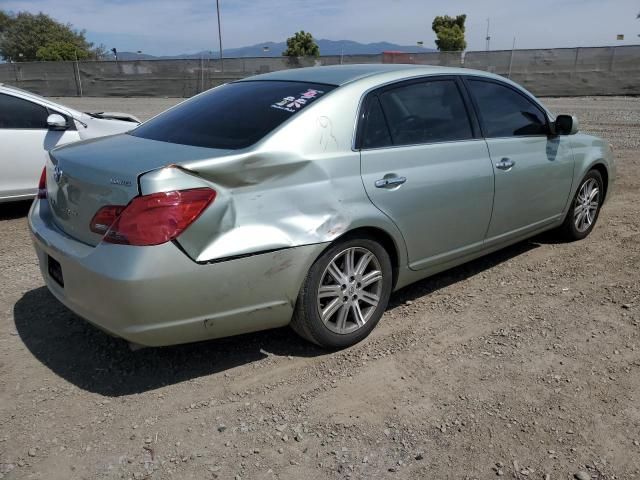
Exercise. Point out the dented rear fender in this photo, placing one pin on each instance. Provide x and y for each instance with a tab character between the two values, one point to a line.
295	207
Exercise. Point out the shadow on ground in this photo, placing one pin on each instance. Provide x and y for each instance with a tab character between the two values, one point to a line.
12	210
96	362
464	271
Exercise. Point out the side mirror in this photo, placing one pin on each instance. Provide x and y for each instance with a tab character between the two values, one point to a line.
57	122
566	125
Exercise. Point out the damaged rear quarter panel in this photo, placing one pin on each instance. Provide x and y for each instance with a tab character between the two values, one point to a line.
300	185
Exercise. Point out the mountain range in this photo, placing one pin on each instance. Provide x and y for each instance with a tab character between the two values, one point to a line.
275	49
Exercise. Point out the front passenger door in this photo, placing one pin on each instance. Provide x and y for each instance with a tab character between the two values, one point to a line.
533	170
24	140
425	166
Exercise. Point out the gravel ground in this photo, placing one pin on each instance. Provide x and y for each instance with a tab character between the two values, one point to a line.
523	364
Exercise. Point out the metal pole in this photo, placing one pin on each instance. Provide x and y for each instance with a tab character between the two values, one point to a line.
78	74
511	58
79	79
611	59
220	36
201	74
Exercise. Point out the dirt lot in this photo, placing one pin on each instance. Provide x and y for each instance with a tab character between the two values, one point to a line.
524	364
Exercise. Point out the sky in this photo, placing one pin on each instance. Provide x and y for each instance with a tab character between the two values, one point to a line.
171	27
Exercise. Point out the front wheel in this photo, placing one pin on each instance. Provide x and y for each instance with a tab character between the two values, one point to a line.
344	294
585	208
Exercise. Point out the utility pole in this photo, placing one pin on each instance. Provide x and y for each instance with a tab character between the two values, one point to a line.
488	37
220	35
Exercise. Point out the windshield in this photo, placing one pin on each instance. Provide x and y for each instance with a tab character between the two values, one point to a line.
232	116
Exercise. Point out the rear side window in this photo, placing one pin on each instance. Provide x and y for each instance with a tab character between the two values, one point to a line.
375	133
233	116
506	113
17	113
426	112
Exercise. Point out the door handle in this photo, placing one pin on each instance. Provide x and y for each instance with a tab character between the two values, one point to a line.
390	182
505	164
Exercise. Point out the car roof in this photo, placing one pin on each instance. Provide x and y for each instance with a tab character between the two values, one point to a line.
343	74
372	75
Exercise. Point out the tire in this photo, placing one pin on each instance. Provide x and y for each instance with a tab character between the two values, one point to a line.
344	323
576	224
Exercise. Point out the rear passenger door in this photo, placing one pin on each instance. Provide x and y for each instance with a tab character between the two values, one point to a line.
424	165
533	170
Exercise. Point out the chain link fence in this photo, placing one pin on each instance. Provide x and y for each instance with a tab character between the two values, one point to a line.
548	72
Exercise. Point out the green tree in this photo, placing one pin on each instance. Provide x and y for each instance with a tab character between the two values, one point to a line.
5	19
450	33
24	34
58	51
302	44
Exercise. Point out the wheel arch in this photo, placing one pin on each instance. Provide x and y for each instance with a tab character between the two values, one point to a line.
388	242
601	168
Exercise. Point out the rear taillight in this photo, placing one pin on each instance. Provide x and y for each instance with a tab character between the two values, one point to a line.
42	185
104	218
152	219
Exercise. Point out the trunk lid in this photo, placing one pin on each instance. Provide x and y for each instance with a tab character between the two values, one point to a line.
85	176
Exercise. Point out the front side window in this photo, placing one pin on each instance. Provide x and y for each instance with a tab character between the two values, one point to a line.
17	113
426	112
506	113
232	116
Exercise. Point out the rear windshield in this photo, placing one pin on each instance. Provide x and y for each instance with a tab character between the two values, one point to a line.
232	116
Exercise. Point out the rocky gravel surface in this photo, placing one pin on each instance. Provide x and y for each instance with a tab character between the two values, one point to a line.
524	364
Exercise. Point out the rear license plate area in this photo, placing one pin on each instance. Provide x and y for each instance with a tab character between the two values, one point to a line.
55	270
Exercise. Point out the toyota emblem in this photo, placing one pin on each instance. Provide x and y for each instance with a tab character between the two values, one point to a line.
57	174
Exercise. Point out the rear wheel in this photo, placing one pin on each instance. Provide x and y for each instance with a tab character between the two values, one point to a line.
585	207
344	294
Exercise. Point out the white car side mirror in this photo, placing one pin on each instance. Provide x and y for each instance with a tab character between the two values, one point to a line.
57	122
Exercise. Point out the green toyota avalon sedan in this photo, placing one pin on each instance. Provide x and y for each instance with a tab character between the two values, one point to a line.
305	197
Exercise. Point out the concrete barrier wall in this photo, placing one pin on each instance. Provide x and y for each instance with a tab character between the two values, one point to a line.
566	71
51	78
550	72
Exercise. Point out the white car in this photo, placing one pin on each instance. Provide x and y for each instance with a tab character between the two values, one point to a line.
31	125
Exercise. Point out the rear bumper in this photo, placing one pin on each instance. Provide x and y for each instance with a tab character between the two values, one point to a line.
158	296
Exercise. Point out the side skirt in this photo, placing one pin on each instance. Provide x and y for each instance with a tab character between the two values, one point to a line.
407	276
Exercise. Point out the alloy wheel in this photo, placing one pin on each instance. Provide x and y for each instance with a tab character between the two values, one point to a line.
586	205
350	289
